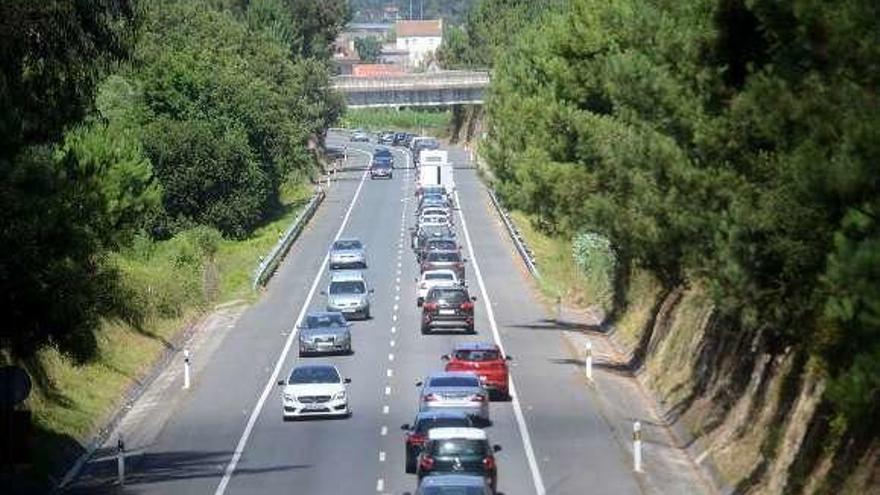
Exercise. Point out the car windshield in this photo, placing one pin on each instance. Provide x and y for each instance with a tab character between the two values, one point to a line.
322	321
439	276
348	287
442	245
427	423
453	490
444	256
459	447
382	164
314	374
454	381
477	355
450	296
347	245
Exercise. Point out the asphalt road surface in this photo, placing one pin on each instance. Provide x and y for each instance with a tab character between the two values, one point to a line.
227	435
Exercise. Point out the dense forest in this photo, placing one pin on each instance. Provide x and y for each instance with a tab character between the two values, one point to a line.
451	11
727	143
142	121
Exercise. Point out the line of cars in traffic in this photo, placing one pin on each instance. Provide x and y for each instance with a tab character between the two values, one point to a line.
319	389
446	445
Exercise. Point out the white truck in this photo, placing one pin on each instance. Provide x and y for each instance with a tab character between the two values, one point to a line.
435	170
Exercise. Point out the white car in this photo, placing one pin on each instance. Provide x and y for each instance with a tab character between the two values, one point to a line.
314	390
435	278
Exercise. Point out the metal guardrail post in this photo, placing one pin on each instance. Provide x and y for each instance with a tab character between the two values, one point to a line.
515	236
268	264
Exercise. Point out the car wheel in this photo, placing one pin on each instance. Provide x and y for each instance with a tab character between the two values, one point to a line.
420	301
425	329
410	464
471	329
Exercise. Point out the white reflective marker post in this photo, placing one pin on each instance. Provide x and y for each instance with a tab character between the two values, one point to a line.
637	447
589	361
186	369
120	461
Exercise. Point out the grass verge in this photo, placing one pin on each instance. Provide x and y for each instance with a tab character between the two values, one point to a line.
560	274
172	283
422	121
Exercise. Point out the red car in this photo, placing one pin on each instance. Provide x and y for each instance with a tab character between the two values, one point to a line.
486	360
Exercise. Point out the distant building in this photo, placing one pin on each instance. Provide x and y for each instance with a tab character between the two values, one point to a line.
420	38
374	70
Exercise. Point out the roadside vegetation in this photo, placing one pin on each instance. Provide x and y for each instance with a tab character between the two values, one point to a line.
724	147
424	121
151	153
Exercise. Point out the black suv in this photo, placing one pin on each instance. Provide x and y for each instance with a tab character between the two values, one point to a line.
443	260
436	244
421	234
460	451
417	433
448	307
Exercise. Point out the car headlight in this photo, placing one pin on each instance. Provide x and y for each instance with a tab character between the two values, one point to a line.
339	395
289	397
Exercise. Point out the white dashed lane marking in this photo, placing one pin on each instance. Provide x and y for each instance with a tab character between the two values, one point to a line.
389	373
387	390
391	356
384	431
380	485
385	409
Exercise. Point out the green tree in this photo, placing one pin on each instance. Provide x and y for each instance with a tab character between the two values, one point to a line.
368	49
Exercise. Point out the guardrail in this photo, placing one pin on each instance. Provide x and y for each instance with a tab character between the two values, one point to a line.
270	263
518	241
430	80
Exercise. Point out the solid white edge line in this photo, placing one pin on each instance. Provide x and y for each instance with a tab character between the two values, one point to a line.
255	414
517	409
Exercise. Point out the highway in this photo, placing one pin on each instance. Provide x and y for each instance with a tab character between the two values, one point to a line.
226	436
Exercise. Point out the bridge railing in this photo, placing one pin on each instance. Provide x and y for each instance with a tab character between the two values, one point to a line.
446	79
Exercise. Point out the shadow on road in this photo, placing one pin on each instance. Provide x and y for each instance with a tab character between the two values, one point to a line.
159	467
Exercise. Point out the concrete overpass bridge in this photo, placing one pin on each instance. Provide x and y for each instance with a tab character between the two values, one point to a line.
424	89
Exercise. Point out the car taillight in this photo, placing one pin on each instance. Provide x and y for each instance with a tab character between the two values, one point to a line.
489	462
467	306
416	438
460	264
431	398
478	398
424	285
424	265
430	306
426	463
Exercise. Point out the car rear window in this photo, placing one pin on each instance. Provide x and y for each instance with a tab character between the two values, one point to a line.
427	423
347	245
474	355
449	295
455	381
439	276
459	447
444	245
444	256
453	490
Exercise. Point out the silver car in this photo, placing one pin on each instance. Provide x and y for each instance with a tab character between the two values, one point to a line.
455	391
348	294
348	253
324	332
